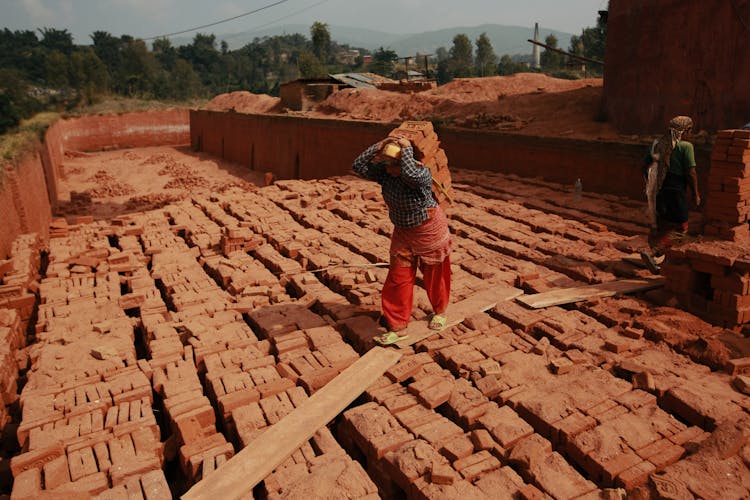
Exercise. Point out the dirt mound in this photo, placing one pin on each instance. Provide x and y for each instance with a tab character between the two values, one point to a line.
528	103
243	102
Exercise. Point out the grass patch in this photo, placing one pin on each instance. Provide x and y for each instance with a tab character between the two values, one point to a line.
117	104
24	138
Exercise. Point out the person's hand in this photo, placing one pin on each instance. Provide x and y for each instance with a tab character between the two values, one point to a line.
697	200
404	142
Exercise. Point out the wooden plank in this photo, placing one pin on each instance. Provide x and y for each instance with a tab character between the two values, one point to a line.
238	476
577	294
479	302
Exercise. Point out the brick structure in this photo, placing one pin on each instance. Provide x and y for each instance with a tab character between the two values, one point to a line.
727	208
711	278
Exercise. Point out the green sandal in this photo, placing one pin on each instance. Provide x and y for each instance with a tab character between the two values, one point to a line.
389	338
437	322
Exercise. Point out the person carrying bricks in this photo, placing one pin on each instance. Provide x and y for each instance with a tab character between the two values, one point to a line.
420	238
669	171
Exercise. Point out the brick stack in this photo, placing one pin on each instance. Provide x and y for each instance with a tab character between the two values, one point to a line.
18	277
238	239
727	209
427	150
712	280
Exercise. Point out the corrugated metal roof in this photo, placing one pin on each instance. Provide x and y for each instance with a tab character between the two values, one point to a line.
361	80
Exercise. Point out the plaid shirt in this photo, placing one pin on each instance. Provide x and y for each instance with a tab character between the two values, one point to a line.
409	195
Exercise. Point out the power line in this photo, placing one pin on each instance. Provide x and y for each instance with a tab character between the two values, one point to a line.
218	22
229	37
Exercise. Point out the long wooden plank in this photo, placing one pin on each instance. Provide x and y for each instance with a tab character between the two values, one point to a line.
479	302
238	476
577	294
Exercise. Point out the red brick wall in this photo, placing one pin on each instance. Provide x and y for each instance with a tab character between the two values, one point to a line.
306	148
24	204
672	57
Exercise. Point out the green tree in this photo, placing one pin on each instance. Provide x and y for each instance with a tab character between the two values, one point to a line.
321	42
592	43
443	74
88	74
139	68
56	66
461	59
383	61
54	39
549	59
507	66
486	58
165	53
309	65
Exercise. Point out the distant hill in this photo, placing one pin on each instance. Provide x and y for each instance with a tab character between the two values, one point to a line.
505	39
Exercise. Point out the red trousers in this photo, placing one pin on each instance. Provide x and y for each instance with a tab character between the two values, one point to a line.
398	290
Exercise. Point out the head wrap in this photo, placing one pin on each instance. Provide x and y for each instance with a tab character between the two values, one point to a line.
662	150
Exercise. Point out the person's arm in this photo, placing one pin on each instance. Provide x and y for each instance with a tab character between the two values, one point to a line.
694	187
693	183
363	165
412	173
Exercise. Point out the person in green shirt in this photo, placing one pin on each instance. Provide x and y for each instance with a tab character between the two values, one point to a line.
669	172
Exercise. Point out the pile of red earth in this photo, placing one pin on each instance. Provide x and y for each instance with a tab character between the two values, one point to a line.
107	186
166	341
527	103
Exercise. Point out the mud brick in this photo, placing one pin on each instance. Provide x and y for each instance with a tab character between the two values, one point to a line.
443	474
82	463
90	485
490	367
275	387
482	440
457	448
505	426
632	332
438	431
739	366
436	345
403	370
56	473
317	379
476	464
742	383
617	465
436	395
197	462
400	403
577	357
154	485
380	445
199	447
561	365
236	399
27	484
415	416
276	407
489	386
35	459
508	396
635	476
613	413
636	399
564	430
102	456
424	383
661	453
469	416
123	471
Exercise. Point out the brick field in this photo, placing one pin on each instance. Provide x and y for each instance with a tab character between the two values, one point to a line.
143	351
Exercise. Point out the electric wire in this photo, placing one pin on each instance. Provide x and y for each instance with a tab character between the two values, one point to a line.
218	22
255	28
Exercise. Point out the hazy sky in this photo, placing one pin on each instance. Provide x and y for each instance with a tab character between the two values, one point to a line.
149	18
